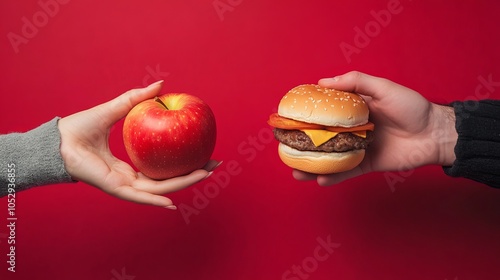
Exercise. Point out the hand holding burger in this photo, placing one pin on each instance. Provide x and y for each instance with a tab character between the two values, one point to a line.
405	122
322	130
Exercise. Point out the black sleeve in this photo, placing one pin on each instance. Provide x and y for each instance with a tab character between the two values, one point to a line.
478	146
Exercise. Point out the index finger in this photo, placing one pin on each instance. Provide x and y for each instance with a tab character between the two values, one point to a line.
332	179
360	83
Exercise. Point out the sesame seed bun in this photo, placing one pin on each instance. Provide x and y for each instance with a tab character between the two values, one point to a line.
314	104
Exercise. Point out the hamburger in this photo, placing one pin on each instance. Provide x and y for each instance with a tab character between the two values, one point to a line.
321	130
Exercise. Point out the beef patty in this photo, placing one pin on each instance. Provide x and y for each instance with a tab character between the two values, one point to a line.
342	142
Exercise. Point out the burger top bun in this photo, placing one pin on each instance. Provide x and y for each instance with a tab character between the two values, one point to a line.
314	104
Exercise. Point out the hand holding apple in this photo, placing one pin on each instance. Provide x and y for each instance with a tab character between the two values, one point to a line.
170	135
87	157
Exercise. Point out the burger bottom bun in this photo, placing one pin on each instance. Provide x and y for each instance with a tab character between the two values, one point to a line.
320	162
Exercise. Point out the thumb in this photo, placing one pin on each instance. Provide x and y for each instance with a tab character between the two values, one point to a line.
358	82
117	108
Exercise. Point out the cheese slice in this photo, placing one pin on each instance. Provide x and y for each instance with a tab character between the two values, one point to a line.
361	133
319	137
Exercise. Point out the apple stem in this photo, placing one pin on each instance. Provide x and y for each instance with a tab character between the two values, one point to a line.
161	102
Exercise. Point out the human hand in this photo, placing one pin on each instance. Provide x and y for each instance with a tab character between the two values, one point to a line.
409	131
87	157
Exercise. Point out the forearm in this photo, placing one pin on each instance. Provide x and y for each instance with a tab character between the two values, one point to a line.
32	158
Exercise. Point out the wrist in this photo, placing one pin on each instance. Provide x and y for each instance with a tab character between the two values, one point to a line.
67	153
444	133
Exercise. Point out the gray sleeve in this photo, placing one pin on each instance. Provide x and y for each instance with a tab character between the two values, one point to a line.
32	158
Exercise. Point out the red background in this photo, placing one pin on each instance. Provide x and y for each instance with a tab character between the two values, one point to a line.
258	222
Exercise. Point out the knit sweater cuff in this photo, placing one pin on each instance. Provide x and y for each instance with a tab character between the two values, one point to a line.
478	146
34	157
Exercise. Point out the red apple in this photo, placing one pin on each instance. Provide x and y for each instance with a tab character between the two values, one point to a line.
170	135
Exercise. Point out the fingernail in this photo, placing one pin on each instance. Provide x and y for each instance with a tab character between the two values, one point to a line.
156	83
218	164
327	82
171	207
208	175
